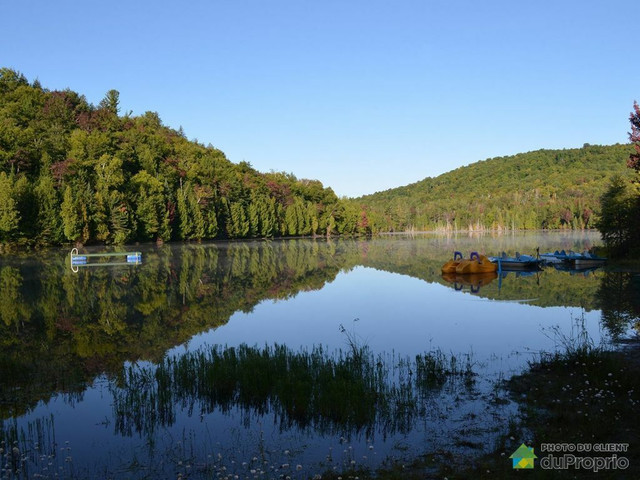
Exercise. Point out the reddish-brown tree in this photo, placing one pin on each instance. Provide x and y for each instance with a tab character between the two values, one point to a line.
634	137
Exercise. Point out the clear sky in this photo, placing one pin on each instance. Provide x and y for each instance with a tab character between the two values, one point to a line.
362	95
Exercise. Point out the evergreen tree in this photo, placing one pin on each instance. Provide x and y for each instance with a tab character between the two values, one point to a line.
239	223
119	218
267	213
211	222
619	221
70	219
253	214
9	215
151	212
111	102
291	220
184	226
616	218
199	227
48	221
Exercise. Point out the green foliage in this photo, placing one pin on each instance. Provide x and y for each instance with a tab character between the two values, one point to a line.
78	172
70	218
239	224
83	173
49	225
620	220
541	189
9	215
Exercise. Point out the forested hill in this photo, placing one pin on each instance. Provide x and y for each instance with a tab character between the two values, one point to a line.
540	189
74	172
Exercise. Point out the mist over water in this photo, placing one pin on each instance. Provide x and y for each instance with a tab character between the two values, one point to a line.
87	368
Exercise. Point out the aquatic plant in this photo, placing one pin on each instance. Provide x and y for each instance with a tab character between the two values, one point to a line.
32	451
339	392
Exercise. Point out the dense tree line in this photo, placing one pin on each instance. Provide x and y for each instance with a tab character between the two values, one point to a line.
544	189
620	219
74	172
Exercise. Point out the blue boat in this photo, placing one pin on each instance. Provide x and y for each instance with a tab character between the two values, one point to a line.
584	259
519	262
555	257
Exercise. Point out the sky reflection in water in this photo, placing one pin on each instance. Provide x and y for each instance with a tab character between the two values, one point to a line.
387	294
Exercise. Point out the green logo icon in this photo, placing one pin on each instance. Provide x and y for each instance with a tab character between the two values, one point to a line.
523	457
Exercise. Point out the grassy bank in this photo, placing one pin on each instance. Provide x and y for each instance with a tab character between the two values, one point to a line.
584	395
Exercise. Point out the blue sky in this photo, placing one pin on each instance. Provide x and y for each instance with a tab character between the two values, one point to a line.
362	95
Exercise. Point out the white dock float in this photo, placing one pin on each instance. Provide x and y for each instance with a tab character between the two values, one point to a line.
83	259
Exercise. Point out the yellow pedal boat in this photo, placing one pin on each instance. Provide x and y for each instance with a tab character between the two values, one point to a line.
451	265
476	264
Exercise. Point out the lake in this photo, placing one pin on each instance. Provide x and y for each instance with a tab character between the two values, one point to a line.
276	359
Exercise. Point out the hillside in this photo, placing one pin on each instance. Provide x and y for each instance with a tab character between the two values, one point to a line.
540	189
71	171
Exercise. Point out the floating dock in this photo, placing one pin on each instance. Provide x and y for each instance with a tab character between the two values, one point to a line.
83	259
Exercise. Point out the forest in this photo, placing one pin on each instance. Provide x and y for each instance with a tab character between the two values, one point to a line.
543	189
73	172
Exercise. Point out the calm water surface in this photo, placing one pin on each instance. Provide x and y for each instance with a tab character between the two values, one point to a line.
70	341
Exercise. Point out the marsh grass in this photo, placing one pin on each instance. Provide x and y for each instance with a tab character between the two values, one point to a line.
350	392
33	452
586	395
580	393
331	392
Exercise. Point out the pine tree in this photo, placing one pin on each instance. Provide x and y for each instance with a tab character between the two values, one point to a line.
239	221
119	218
211	222
9	215
184	226
147	216
49	226
70	219
291	220
199	227
254	217
267	209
